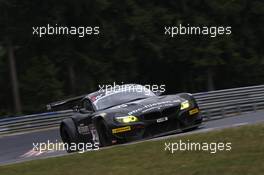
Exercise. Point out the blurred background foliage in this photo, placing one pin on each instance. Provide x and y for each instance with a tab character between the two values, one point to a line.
131	48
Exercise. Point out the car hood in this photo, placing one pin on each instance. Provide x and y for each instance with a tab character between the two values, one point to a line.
138	107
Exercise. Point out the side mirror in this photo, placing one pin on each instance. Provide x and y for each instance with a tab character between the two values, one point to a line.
76	108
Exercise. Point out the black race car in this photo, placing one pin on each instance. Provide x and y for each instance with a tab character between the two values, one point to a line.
113	116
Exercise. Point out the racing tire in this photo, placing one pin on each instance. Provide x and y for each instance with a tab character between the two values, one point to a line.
68	134
105	138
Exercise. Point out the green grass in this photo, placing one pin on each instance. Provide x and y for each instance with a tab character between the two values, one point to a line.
246	157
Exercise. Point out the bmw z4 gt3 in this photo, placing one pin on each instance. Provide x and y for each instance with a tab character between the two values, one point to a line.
116	116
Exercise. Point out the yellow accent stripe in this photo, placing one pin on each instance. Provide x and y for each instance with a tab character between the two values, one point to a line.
122	129
194	111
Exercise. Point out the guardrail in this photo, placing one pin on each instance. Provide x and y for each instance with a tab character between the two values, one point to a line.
213	105
229	102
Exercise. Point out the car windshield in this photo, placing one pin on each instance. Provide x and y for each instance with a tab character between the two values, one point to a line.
114	97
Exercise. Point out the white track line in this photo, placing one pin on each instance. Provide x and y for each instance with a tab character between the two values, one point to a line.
31	153
240	124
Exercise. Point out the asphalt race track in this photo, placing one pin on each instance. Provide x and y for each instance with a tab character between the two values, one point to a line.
18	148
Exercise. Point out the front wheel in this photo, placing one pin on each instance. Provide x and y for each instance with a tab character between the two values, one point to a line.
105	137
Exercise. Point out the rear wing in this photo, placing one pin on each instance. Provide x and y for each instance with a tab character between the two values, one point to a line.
66	104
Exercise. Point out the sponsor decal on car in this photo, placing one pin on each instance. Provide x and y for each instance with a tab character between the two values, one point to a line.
154	105
122	129
163	119
83	129
194	111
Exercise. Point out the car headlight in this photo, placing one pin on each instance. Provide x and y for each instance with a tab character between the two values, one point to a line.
126	119
185	105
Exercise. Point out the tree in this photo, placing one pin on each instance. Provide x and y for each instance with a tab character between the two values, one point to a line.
39	84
